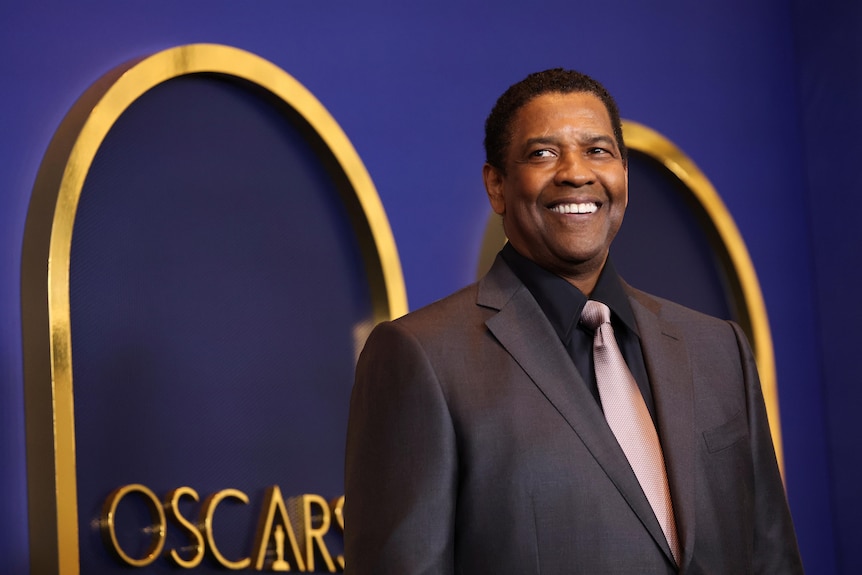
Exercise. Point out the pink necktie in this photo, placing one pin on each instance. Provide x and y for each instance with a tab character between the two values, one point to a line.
629	419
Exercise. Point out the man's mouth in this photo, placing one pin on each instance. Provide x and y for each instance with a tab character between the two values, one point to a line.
584	208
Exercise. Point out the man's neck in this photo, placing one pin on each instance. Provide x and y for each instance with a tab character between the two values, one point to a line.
584	278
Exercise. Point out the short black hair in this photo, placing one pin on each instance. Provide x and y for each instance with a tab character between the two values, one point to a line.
498	126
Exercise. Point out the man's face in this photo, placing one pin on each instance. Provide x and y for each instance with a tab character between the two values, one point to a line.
565	189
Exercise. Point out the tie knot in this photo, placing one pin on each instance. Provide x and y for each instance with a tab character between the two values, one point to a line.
594	314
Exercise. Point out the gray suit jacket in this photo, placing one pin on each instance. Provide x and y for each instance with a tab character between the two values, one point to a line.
474	447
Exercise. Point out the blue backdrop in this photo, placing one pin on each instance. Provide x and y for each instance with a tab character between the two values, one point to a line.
762	96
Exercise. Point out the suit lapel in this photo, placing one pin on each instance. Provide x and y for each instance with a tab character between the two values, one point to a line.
522	329
667	364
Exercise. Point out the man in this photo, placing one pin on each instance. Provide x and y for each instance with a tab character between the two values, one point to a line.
484	437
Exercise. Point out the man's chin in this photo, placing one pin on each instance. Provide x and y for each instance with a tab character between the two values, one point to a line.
573	264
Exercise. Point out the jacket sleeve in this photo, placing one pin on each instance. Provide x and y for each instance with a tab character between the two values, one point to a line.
401	462
775	548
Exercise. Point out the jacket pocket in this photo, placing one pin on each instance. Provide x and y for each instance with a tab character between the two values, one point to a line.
728	433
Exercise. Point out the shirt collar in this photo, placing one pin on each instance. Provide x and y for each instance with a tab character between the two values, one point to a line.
561	301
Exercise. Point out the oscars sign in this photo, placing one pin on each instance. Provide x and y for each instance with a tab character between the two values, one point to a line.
203	257
275	538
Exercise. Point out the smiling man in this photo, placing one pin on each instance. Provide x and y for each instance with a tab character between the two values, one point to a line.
550	418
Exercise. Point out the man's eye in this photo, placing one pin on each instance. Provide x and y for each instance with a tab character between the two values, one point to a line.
598	151
544	153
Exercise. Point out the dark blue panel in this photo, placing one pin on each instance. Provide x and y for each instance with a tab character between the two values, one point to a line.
664	244
215	288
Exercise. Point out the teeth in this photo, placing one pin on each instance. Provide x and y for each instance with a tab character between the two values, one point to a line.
587	208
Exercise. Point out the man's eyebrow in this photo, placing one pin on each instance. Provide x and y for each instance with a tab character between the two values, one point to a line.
586	139
541	140
599	139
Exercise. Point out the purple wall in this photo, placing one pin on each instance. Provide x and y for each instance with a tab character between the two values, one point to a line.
759	96
830	80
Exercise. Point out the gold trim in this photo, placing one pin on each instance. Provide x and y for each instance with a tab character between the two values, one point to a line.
751	307
45	264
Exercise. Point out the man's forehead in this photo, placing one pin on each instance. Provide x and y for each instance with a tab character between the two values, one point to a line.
552	109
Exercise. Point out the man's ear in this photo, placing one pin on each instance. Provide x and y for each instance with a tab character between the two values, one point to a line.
494	188
626	166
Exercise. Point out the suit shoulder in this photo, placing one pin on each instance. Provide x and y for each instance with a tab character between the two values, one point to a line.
671	310
454	314
448	310
429	336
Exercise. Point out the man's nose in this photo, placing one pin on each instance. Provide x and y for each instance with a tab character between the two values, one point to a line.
574	169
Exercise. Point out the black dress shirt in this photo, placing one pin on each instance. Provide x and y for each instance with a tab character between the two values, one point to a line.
562	303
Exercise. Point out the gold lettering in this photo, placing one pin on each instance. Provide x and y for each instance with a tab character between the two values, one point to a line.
207	513
314	535
308	515
337	507
274	502
196	540
158	530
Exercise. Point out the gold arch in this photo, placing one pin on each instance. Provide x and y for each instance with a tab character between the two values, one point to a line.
49	410
749	306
